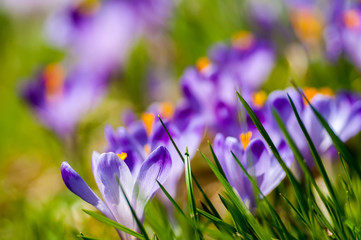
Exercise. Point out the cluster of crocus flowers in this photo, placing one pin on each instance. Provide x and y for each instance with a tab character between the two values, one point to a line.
117	183
61	97
100	34
209	87
140	137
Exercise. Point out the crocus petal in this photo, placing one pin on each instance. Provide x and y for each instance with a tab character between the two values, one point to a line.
77	185
257	158
111	173
155	168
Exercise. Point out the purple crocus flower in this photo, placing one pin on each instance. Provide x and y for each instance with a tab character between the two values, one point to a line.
60	99
258	160
342	111
209	88
344	31
101	35
111	174
139	138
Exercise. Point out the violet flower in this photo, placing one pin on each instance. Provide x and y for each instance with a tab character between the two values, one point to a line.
100	34
60	99
342	111
257	159
111	174
141	137
209	88
344	31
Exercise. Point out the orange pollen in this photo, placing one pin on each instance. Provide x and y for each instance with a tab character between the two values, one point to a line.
166	109
88	6
242	40
147	149
245	139
259	98
122	155
148	120
310	93
203	63
352	19
307	25
54	75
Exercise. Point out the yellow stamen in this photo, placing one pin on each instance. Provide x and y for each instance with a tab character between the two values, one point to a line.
147	149
54	76
148	120
89	6
122	155
310	92
352	19
166	109
245	139
308	25
326	91
203	63
242	40
259	98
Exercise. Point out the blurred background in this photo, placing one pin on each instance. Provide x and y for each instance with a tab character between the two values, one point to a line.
34	202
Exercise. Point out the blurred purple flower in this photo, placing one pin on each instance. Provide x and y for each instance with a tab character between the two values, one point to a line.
209	88
344	31
101	33
112	173
257	159
61	99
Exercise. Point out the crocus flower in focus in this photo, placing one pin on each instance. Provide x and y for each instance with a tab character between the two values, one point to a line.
111	174
140	137
258	160
209	88
60	99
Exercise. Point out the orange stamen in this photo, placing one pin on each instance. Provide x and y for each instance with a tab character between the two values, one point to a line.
166	109
310	92
308	25
203	63
242	40
352	19
259	98
147	149
122	155
148	120
245	139
89	6
54	76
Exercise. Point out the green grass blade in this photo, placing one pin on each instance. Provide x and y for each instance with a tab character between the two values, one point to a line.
217	221
80	235
139	224
236	201
114	224
174	203
315	154
205	197
274	214
299	194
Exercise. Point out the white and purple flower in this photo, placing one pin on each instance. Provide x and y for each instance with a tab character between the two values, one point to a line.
112	174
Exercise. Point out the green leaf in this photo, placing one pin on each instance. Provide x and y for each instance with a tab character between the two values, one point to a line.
299	193
80	235
114	224
208	201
